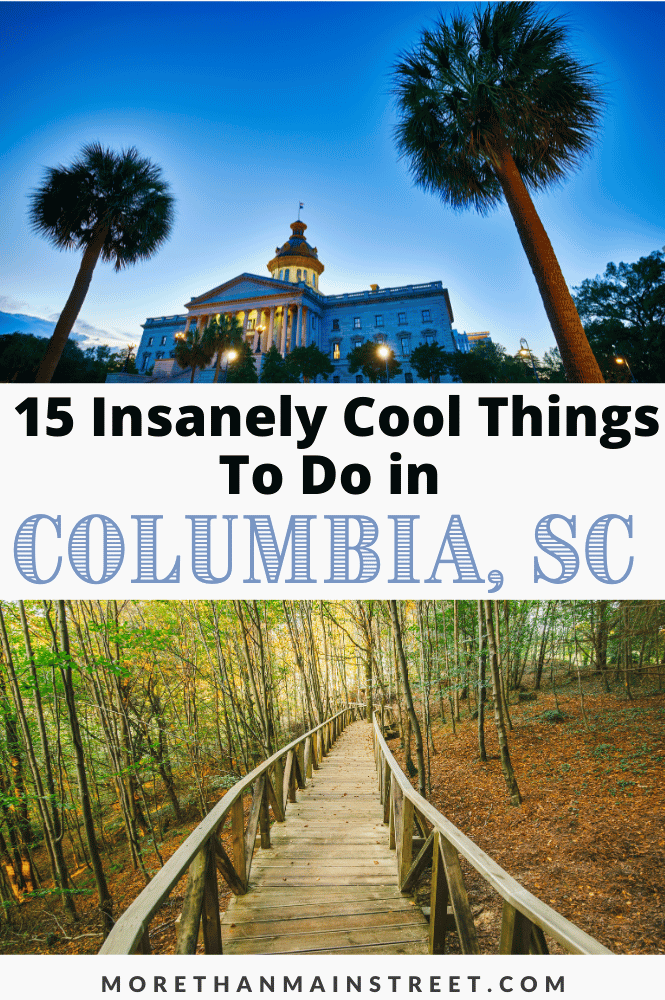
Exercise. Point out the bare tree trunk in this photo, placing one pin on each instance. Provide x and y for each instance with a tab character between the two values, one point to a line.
105	902
506	764
415	725
482	663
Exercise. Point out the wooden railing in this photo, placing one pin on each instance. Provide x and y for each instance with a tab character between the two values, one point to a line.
273	785
421	835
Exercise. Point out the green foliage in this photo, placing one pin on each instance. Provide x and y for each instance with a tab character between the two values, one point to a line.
307	363
366	358
243	368
193	351
430	362
275	368
486	362
222	334
479	81
123	191
21	354
624	316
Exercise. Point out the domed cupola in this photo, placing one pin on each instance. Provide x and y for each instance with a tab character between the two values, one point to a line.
297	261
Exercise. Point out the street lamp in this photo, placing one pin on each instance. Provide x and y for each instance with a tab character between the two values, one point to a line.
229	356
525	351
259	330
624	361
384	353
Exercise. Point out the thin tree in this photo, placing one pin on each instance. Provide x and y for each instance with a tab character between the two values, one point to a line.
110	205
411	712
493	106
506	763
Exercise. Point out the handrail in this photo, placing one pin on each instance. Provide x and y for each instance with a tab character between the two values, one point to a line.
525	917
203	853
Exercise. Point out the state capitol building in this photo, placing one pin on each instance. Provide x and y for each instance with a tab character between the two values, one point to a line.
289	309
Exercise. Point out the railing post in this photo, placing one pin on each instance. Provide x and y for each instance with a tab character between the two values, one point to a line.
387	784
405	851
308	758
438	915
190	918
212	930
238	836
264	818
519	936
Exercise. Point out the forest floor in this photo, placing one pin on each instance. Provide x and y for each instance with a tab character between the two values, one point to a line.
589	837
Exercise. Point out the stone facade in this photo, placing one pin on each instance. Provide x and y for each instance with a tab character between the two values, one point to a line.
289	310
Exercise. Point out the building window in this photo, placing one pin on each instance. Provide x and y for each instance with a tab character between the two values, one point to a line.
380	338
146	357
378	321
250	324
427	316
159	355
357	343
408	377
281	275
336	351
356	322
172	354
401	319
286	274
150	341
313	279
313	321
336	378
298	275
405	345
163	342
335	324
429	338
359	378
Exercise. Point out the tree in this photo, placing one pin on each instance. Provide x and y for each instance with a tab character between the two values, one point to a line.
309	362
493	106
430	362
21	354
194	351
367	359
110	205
275	369
243	367
624	315
221	335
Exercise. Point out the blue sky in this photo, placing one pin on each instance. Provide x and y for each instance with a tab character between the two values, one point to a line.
250	108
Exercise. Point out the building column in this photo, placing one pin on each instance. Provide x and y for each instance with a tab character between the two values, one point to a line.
257	322
271	327
188	324
298	324
285	330
305	320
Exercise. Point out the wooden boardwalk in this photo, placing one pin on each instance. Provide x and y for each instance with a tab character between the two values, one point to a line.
329	882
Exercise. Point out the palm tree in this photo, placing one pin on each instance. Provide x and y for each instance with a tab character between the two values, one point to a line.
221	334
493	106
110	205
193	351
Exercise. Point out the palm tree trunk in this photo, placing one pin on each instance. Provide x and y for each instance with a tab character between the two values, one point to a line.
578	359
69	314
